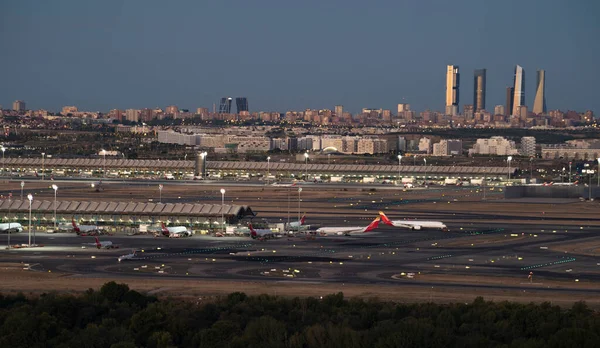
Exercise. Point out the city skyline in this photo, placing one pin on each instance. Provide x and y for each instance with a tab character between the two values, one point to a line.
113	55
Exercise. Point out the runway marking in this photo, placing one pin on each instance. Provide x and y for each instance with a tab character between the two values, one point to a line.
564	260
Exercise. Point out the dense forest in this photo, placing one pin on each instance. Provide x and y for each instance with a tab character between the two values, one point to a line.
116	316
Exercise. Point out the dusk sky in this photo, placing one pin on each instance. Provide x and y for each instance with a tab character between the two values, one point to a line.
293	55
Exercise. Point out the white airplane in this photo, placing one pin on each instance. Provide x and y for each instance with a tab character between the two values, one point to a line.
131	256
284	185
261	234
296	225
107	244
84	228
346	231
413	224
11	227
175	231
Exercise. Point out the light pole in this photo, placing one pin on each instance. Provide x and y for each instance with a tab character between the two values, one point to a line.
203	156
43	165
425	160
306	166
268	168
9	203
530	169
570	172
223	207
414	160
299	190
3	165
399	164
55	188
508	161
103	163
328	157
598	171
562	177
22	185
30	198
484	182
160	187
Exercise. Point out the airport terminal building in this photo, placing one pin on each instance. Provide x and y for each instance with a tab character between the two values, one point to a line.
112	168
121	214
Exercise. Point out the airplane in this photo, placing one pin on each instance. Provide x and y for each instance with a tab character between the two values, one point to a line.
347	231
413	224
131	256
284	185
11	227
84	229
103	245
175	231
260	234
296	225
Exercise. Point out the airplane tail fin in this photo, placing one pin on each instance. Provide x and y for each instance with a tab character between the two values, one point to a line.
303	219
253	233
75	228
385	219
373	225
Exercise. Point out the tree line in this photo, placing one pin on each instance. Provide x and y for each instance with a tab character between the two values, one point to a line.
118	317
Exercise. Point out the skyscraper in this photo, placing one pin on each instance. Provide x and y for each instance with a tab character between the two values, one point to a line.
225	105
479	90
519	89
339	110
242	104
452	85
510	94
19	105
539	104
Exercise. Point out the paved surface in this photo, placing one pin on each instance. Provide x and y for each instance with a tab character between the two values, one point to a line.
490	245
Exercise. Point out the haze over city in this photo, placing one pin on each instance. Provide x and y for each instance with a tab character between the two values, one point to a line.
292	55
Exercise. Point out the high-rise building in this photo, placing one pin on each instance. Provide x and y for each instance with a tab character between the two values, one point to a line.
448	147
510	94
172	110
479	90
452	86
241	103
402	108
225	105
339	110
499	110
132	115
519	89
19	105
528	146
539	104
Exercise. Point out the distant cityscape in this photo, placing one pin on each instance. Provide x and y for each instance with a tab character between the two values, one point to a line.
514	113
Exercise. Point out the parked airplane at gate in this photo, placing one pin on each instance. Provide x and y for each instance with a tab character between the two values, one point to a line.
11	227
260	233
413	224
175	231
296	225
347	231
84	228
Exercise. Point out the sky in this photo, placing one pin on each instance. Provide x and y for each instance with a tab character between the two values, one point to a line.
293	55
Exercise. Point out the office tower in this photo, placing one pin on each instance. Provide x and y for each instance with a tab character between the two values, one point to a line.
539	105
339	110
452	85
468	111
242	104
519	89
510	94
479	90
225	105
499	110
19	105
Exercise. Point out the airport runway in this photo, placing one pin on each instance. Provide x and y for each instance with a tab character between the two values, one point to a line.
383	257
485	248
